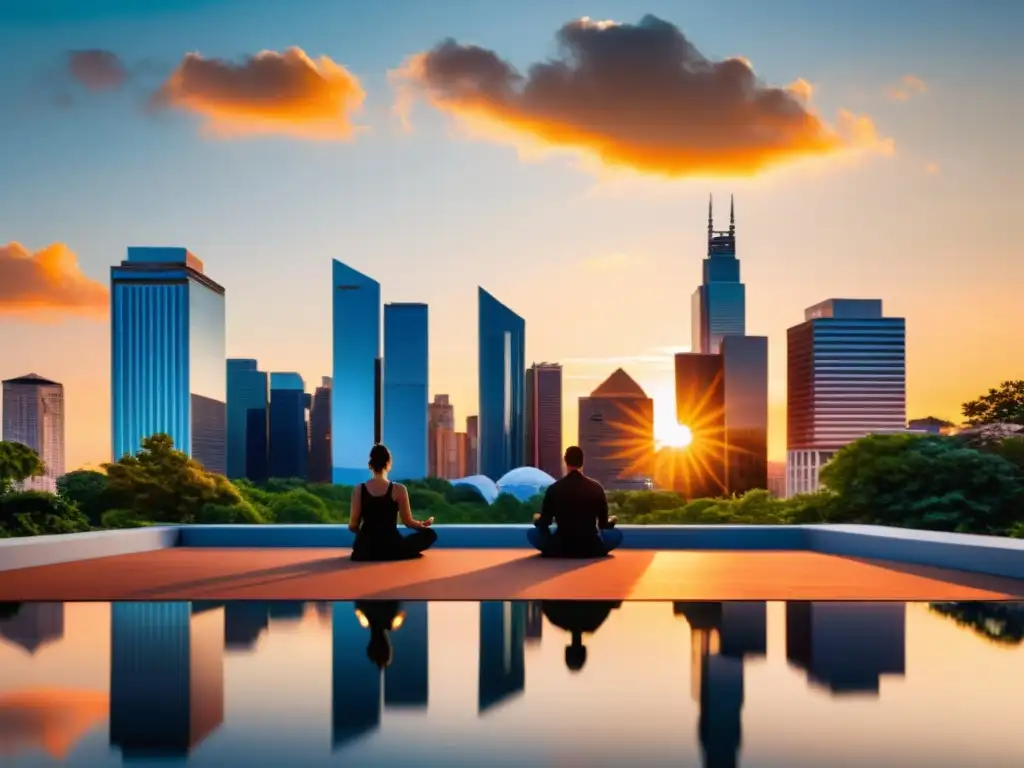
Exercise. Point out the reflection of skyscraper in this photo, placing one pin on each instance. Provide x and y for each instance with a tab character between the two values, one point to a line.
502	660
544	417
244	622
719	303
722	635
502	372
534	621
289	438
405	386
33	415
846	647
355	392
247	391
168	361
34	625
406	682
166	677
616	433
355	680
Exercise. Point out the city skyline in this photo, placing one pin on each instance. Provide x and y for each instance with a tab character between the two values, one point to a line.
431	215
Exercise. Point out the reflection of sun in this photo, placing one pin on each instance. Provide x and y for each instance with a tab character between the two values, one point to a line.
673	435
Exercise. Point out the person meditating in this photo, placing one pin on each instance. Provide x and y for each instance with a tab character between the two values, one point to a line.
577	617
376	506
381	617
579	508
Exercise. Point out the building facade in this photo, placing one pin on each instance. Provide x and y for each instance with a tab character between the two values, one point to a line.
847	378
320	434
248	390
355	393
616	433
543	420
168	361
719	305
502	374
440	419
745	375
699	471
472	445
289	446
33	415
405	387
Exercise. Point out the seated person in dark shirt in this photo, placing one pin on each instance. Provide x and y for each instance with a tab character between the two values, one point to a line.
579	508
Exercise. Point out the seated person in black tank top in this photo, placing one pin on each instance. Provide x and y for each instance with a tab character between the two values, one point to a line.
376	506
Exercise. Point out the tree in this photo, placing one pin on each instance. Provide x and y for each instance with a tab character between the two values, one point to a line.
927	482
35	513
1002	405
88	490
18	462
163	485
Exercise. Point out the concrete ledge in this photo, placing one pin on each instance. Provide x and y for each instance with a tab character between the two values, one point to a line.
992	555
31	551
739	537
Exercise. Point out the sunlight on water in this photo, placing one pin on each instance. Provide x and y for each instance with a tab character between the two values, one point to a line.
552	683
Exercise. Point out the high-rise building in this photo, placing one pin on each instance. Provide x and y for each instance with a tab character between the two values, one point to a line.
502	373
378	400
168	360
502	662
472	445
847	378
406	363
247	391
320	434
700	405
745	375
440	422
355	394
616	433
166	677
544	417
289	447
33	415
719	304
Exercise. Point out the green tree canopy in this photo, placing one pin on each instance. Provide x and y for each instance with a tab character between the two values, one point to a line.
35	513
88	490
1002	405
18	462
163	485
927	482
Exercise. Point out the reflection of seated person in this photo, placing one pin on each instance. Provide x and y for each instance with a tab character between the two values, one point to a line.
579	508
376	506
577	617
381	617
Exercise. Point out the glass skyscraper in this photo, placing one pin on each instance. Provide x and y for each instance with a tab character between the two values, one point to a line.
168	361
543	404
719	305
502	373
247	391
745	368
847	378
289	438
355	390
406	360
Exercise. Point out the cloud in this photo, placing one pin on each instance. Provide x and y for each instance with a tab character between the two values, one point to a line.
47	282
908	85
284	93
932	168
637	96
97	70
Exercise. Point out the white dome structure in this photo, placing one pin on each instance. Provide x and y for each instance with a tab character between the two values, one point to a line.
481	484
524	482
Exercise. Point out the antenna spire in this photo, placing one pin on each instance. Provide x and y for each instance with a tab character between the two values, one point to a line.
732	216
711	219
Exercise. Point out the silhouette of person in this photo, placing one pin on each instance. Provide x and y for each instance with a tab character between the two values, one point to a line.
376	506
577	617
579	508
381	617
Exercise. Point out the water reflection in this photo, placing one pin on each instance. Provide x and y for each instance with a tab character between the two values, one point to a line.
189	682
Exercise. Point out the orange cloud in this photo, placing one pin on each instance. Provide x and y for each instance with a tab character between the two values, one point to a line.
270	93
97	70
47	282
908	85
637	96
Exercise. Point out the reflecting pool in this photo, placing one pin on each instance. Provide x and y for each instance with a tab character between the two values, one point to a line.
511	683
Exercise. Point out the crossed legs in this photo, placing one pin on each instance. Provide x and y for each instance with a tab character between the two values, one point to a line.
544	540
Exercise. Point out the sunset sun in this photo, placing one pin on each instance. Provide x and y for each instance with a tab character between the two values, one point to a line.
675	435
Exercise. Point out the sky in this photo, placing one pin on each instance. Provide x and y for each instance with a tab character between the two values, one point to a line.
872	148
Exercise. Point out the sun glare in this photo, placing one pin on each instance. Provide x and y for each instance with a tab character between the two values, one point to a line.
675	436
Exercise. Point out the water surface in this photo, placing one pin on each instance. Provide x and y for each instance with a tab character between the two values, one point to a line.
536	683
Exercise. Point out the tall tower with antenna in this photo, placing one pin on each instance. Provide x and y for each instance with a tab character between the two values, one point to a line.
718	306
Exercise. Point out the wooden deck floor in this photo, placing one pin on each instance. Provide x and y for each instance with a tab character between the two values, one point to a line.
452	574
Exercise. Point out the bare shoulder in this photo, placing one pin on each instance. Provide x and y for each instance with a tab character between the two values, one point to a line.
399	489
356	491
